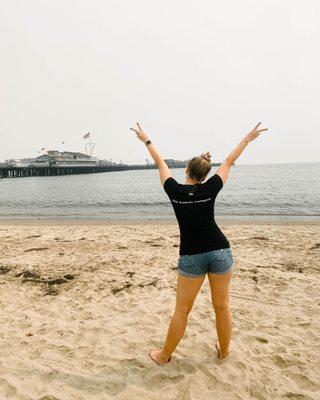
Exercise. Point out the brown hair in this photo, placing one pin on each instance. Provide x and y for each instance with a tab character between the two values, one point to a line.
199	167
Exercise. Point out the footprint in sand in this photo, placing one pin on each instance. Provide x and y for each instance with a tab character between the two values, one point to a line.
250	339
261	340
279	362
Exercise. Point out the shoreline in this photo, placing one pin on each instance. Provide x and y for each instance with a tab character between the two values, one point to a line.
99	222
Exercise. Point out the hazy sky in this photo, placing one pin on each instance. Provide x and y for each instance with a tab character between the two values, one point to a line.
197	74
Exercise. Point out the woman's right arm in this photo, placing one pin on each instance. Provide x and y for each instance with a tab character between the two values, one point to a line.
224	168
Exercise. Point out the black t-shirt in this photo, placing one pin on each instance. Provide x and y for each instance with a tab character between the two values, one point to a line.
194	208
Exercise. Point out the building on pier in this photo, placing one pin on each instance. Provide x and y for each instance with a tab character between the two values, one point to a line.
19	162
55	158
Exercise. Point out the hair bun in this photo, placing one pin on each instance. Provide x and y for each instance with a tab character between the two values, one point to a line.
206	156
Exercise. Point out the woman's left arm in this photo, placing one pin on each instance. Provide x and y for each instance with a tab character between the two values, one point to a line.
164	170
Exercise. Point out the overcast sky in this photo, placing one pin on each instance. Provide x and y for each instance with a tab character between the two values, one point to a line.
197	74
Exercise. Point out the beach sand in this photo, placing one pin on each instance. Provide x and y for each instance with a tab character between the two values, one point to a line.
81	303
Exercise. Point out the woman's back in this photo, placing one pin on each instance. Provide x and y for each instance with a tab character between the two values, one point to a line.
194	208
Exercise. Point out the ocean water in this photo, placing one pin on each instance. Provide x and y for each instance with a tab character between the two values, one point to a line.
252	192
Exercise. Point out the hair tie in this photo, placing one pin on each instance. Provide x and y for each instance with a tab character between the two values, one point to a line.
204	155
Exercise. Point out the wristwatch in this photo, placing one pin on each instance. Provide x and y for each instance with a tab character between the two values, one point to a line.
147	142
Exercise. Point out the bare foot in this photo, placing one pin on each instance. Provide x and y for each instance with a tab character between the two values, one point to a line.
220	355
155	355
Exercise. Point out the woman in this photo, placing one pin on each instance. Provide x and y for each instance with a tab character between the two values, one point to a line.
204	249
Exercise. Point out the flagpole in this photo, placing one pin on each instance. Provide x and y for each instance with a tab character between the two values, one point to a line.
89	144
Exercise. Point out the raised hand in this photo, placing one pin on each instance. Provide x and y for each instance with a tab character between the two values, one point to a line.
255	132
140	133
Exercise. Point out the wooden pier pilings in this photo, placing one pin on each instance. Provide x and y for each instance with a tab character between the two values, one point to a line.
21	172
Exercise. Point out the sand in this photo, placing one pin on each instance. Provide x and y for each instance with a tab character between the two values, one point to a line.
82	303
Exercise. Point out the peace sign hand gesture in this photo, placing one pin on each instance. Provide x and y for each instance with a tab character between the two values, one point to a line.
255	132
140	133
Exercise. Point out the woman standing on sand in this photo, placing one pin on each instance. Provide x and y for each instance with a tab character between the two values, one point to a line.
203	247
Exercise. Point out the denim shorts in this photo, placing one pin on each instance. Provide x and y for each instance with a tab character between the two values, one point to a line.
215	261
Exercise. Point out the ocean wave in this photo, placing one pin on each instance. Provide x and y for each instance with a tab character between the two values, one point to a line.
45	208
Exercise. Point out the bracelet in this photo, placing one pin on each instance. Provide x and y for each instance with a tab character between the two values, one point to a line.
147	142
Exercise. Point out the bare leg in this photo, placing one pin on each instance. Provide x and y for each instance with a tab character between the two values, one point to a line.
219	285
187	290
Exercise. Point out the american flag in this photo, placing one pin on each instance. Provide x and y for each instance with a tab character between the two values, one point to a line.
86	136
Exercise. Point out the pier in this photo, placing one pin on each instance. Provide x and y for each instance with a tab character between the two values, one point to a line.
23	172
